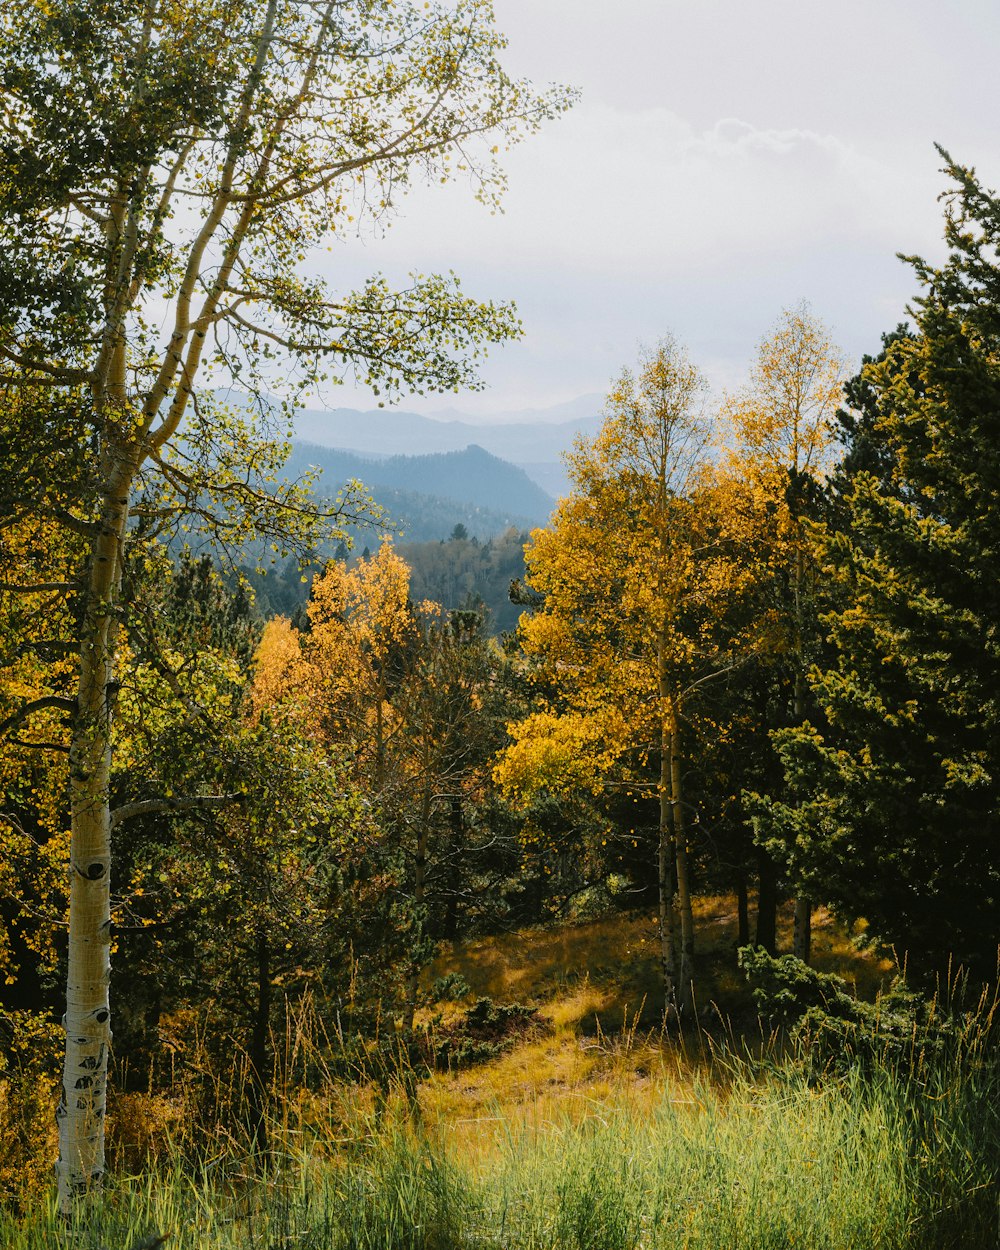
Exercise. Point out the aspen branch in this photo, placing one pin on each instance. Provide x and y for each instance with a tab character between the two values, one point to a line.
40	746
186	803
37	705
38	588
60	373
77	202
89	529
177	359
19	381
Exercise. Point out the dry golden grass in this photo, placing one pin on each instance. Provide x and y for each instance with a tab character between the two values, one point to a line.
597	983
602	969
597	986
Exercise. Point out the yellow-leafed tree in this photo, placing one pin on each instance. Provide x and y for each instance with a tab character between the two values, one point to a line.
407	693
635	573
782	446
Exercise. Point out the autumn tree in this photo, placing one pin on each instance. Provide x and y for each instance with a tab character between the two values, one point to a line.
407	693
782	448
234	912
633	575
164	171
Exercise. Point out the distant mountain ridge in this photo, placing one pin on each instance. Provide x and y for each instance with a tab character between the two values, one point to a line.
536	446
471	475
426	497
533	439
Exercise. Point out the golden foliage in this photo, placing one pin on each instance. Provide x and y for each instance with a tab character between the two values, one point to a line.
780	433
638	573
276	665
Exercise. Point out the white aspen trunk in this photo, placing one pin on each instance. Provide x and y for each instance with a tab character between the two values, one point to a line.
88	1012
665	866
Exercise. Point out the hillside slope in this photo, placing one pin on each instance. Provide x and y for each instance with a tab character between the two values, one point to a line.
471	476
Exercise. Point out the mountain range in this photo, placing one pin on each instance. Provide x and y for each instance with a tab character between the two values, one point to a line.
482	484
535	445
428	495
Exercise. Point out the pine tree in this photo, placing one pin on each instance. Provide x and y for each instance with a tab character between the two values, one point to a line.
897	816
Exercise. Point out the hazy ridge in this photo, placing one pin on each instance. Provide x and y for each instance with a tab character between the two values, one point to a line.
471	476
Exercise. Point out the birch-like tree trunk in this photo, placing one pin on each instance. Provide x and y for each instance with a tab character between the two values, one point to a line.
82	1108
666	848
665	879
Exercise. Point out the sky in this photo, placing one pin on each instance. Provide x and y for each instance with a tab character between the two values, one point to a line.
727	159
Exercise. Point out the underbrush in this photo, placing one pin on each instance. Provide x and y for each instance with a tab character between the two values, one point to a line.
539	1126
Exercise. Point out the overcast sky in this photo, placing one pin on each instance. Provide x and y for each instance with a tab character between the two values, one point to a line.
728	158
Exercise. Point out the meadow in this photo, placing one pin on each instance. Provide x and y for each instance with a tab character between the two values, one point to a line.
591	1128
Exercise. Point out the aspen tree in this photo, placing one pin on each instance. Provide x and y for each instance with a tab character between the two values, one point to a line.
165	171
406	691
783	450
634	573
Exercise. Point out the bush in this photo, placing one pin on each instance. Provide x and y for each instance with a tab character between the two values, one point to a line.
832	1030
486	1030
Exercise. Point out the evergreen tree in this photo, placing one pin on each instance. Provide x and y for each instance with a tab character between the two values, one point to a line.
897	809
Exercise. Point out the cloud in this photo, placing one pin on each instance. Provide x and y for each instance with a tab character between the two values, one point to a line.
621	224
607	190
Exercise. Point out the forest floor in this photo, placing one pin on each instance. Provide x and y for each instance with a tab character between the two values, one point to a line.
598	993
587	1126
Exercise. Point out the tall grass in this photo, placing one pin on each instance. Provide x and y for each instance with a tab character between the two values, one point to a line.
755	1161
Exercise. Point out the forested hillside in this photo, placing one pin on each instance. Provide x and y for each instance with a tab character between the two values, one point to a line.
605	873
492	494
461	572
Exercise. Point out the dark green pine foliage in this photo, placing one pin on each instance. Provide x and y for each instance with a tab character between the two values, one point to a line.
896	814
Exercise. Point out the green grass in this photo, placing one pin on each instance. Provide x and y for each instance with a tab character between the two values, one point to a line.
600	1133
749	1162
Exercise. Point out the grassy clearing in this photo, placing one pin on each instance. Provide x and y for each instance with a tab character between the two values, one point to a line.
597	1133
597	983
757	1163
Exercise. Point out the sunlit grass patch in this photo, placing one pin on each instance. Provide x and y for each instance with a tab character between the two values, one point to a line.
606	969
